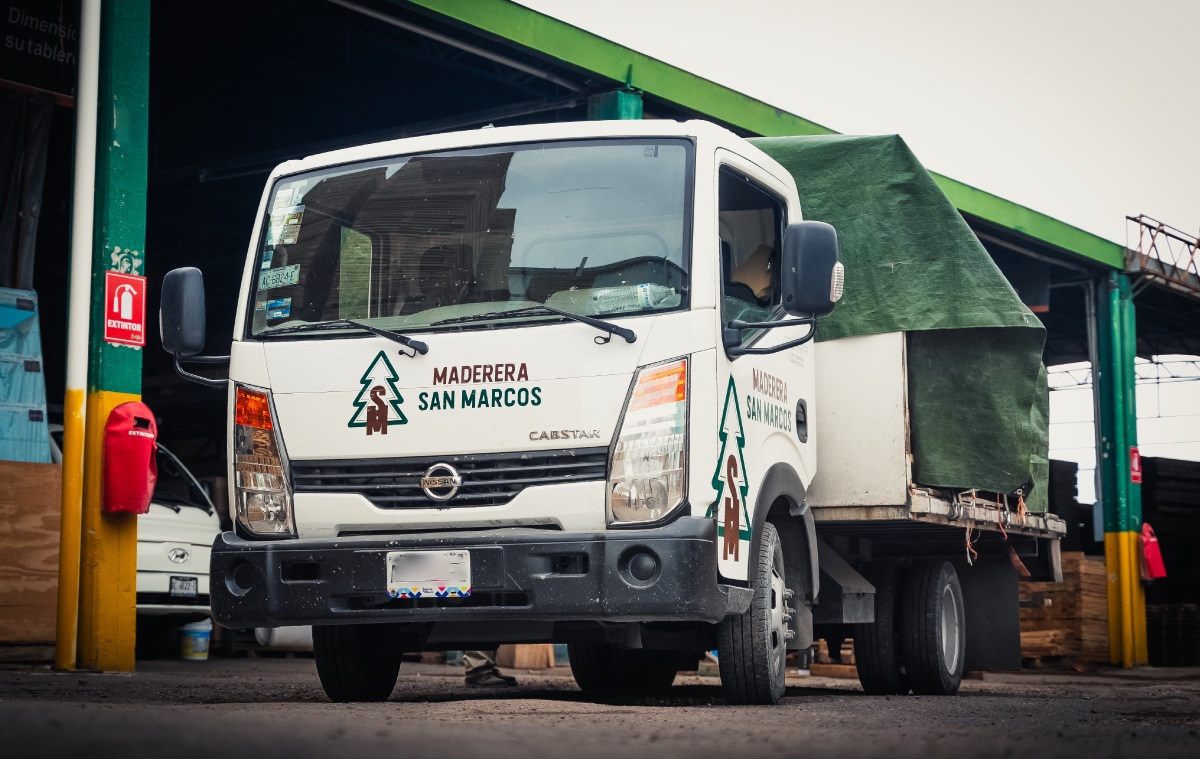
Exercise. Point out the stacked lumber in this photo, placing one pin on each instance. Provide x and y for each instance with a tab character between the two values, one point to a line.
1068	618
532	656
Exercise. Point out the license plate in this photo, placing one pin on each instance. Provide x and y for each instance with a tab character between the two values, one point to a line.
184	587
429	574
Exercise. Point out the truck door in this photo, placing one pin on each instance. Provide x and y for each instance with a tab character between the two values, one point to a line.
764	401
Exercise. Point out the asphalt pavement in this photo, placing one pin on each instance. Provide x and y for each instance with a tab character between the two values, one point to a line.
266	708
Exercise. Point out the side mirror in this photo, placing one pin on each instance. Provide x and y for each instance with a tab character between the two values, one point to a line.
812	275
181	312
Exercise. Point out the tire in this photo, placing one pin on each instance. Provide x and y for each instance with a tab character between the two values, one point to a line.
356	662
933	629
605	668
877	645
752	647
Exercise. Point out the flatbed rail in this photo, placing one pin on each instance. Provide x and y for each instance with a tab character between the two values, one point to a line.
966	510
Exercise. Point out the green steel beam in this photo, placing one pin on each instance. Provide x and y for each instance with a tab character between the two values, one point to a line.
1118	411
1038	225
614	106
597	55
594	54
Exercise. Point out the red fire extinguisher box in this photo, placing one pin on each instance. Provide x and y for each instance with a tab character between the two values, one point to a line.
129	467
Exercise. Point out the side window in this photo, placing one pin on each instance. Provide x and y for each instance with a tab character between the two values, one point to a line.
751	221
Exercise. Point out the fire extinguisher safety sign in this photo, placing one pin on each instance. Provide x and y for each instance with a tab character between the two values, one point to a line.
124	308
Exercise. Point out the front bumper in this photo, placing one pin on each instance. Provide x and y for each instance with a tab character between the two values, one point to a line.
516	574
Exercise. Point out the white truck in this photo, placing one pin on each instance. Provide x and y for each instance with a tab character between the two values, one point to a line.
554	383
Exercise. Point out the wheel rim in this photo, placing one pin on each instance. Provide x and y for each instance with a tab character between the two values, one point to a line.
950	624
778	632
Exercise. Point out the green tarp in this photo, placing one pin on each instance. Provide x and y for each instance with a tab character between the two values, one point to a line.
977	388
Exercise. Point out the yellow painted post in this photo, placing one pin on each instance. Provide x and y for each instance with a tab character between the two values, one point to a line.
108	577
1122	498
75	399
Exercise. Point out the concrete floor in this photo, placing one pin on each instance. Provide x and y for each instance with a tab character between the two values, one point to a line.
275	708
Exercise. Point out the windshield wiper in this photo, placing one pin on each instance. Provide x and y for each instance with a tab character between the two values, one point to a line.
609	327
395	337
174	502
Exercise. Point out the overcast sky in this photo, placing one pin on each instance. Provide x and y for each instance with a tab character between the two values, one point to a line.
1086	111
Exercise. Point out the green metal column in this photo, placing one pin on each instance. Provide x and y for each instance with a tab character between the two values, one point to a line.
625	103
108	575
1122	498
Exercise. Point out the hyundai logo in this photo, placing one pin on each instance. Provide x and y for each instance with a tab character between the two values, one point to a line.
441	482
178	555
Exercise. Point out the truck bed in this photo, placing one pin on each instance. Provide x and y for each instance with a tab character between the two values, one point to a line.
925	507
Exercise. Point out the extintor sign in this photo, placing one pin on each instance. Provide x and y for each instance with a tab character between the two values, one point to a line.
1135	466
124	308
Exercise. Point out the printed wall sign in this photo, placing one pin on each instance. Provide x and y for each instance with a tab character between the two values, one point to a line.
124	308
377	405
41	44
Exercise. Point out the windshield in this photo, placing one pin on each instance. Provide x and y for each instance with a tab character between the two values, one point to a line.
597	228
175	486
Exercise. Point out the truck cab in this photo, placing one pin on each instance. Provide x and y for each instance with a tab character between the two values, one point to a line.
531	384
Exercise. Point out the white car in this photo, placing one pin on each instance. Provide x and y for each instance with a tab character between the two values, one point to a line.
174	540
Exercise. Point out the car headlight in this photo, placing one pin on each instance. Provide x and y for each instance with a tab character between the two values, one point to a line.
649	464
261	487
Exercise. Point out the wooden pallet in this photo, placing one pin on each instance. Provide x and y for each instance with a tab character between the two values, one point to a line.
1069	618
30	508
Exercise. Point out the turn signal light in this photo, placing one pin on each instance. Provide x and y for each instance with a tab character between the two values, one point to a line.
252	409
665	384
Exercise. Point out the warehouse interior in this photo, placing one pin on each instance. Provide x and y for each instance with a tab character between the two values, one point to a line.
240	87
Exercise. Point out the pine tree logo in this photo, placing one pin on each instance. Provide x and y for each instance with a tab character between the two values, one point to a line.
730	480
377	405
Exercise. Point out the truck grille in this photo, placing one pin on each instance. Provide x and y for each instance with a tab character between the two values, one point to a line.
488	479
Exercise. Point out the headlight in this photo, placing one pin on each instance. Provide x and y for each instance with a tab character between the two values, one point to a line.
649	464
264	497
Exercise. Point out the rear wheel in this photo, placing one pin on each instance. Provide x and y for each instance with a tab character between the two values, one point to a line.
752	647
602	667
933	628
356	662
877	645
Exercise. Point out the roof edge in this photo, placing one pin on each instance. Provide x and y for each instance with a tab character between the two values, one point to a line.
1014	216
592	52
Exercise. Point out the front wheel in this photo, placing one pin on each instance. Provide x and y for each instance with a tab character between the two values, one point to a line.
356	662
752	647
933	628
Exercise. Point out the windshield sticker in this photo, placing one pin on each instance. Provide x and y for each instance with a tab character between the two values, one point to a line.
731	481
267	256
260	305
281	277
377	405
294	215
283	199
279	308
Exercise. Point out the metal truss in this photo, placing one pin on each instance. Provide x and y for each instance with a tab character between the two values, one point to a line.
1164	254
1155	372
